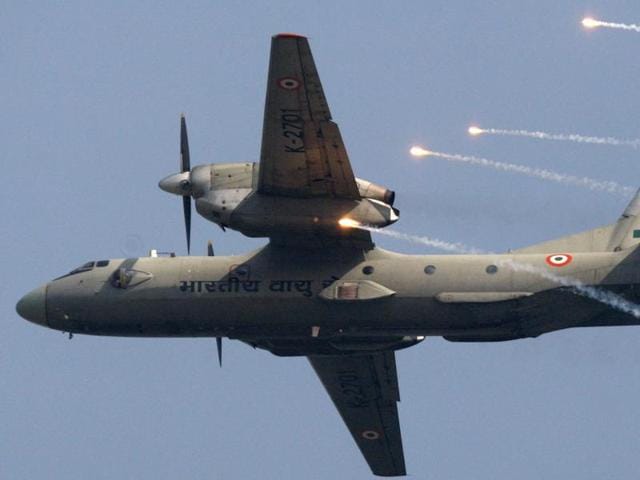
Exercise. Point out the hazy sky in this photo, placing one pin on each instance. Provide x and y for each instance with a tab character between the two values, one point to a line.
91	96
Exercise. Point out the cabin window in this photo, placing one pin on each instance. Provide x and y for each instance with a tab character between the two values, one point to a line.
430	269
491	269
368	270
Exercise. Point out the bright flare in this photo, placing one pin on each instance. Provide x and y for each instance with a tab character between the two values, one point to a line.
567	137
475	131
348	223
417	151
590	23
544	174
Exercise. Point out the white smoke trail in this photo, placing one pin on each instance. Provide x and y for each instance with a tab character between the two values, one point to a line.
567	137
593	23
544	174
603	296
608	298
428	241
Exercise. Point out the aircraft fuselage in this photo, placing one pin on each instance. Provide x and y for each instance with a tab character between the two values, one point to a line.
279	293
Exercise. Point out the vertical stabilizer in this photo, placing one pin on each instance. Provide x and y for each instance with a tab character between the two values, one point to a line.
626	231
623	234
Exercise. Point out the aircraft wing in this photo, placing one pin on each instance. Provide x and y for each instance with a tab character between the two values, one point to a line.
302	151
364	389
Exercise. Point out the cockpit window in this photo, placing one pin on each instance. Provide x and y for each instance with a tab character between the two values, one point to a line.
102	263
84	268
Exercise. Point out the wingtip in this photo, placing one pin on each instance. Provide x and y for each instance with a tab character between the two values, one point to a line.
288	35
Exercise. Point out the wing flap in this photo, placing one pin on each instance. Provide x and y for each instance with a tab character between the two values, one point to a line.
364	389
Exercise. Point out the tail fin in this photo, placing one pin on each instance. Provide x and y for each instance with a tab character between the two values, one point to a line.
626	232
623	234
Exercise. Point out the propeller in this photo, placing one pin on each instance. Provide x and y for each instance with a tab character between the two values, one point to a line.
185	166
219	345
181	183
218	339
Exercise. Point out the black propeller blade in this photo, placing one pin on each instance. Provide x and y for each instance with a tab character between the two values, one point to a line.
219	345
218	339
185	161
186	207
185	166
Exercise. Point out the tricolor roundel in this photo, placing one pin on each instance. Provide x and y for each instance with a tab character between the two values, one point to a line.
371	435
559	259
289	83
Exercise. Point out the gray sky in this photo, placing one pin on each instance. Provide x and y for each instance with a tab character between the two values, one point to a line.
91	94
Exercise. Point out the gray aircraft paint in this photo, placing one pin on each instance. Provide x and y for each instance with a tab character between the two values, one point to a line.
205	296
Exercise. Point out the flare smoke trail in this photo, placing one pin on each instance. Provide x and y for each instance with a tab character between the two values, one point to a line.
544	174
608	298
428	241
567	137
600	295
593	23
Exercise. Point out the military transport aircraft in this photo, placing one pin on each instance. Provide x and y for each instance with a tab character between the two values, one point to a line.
322	289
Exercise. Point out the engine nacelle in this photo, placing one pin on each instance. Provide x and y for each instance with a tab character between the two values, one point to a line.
371	190
219	189
226	194
259	215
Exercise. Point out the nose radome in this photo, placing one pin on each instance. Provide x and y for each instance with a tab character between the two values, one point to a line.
32	306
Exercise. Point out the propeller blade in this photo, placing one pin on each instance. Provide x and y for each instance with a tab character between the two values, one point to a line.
219	345
185	161
210	248
185	166
186	207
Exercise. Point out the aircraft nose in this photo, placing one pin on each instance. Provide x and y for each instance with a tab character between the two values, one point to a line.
32	306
